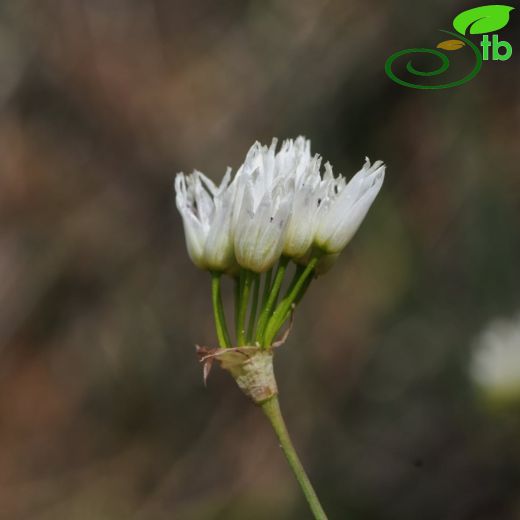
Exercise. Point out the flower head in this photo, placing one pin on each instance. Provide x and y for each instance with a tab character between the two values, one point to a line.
278	203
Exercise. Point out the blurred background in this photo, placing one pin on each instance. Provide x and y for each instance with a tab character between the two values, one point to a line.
103	413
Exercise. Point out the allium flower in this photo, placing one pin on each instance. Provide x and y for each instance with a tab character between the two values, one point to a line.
264	192
279	207
308	191
344	206
495	365
206	212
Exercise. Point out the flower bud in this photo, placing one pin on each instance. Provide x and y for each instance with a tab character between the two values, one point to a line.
206	212
261	223
305	206
345	205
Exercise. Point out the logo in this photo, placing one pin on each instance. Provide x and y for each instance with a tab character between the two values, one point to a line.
478	21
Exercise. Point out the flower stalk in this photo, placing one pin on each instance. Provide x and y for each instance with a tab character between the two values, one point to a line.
252	365
218	311
246	280
281	312
254	306
271	300
271	409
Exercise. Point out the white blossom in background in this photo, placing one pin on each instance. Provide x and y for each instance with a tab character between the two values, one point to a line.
495	363
206	212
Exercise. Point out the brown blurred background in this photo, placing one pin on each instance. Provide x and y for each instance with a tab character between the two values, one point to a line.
103	414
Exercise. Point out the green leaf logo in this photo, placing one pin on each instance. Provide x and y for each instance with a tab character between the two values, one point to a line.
481	20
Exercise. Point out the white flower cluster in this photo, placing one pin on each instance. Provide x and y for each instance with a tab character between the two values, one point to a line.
495	365
279	202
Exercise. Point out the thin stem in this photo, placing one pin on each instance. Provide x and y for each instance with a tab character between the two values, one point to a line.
267	287
218	311
271	300
301	294
271	408
281	312
237	291
297	274
252	313
245	283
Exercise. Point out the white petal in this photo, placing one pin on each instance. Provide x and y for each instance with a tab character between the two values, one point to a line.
218	249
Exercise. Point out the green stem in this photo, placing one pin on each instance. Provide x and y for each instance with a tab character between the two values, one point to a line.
297	274
245	286
271	408
218	311
265	314
301	294
237	291
239	288
267	287
252	314
282	311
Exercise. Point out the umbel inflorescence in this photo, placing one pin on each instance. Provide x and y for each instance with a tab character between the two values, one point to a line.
278	203
280	206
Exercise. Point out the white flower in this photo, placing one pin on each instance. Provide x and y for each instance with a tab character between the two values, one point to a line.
206	212
261	208
495	365
308	191
344	206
